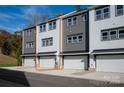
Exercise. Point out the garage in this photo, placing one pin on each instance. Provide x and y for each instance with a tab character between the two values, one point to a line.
110	63
75	62
47	61
29	62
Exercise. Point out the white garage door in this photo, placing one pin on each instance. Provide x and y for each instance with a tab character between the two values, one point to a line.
29	62
47	62
74	62
110	63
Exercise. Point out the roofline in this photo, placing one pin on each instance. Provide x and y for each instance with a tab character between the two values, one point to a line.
74	13
94	7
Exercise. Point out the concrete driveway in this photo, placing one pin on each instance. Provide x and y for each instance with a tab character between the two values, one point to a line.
81	74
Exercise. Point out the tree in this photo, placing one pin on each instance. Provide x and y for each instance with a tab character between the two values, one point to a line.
6	48
17	47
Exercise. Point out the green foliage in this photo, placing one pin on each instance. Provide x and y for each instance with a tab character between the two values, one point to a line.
6	48
12	44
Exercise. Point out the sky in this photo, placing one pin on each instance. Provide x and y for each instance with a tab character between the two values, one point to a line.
16	17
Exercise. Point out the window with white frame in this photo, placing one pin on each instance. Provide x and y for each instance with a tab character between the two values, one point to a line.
29	32
72	21
30	44
102	13
112	34
52	25
104	35
119	10
84	17
47	42
43	28
121	33
76	38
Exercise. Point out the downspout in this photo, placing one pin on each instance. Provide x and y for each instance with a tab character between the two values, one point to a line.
61	43
36	43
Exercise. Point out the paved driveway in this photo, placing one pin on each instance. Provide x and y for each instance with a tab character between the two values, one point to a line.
19	78
80	74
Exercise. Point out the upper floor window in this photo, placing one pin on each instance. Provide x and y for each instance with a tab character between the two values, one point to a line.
119	10
112	34
84	17
47	42
77	38
30	44
102	13
43	28
52	25
29	32
72	21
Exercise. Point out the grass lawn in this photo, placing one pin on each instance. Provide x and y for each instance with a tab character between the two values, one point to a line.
6	61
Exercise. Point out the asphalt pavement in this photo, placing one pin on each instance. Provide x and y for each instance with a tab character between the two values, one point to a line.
10	78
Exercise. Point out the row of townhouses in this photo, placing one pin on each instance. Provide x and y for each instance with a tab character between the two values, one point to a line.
90	39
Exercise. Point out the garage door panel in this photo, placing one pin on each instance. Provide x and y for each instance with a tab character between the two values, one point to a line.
74	62
110	63
48	62
29	62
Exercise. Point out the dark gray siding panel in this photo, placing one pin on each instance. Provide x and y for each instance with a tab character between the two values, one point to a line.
80	27
29	39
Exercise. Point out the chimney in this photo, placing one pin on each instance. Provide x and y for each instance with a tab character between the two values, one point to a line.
43	18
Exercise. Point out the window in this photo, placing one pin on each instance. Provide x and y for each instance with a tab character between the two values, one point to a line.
47	42
74	40
104	36
69	39
106	12
72	21
80	38
30	44
102	13
77	38
29	32
121	33
52	25
84	17
43	28
119	10
98	14
113	34
69	22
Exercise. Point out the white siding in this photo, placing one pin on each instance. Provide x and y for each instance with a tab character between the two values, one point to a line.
95	28
50	33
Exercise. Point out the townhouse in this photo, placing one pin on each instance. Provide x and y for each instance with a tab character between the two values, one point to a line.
106	27
90	39
75	40
49	43
29	46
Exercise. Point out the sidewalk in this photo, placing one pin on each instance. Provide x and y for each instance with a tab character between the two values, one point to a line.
100	76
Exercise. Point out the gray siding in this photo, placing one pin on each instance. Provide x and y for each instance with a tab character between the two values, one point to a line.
80	27
27	38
